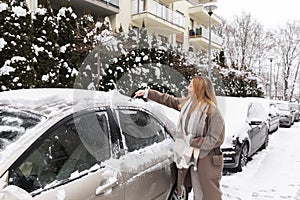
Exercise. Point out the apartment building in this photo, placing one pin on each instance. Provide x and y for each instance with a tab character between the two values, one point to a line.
180	22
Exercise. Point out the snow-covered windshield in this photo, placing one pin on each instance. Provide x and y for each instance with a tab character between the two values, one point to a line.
13	123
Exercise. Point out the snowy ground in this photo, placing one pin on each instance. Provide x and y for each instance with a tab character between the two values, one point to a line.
274	173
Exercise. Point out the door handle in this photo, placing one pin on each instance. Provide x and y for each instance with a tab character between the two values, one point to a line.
107	186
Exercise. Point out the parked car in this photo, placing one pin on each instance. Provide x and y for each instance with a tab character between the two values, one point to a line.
246	130
274	117
286	114
296	111
76	144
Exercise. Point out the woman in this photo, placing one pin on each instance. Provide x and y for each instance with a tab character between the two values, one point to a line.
201	126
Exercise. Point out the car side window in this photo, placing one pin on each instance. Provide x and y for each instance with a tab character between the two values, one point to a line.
73	147
140	129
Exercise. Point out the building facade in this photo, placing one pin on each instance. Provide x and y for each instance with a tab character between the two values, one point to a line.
180	22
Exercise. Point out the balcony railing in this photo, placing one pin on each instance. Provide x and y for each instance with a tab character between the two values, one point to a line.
158	10
112	2
204	33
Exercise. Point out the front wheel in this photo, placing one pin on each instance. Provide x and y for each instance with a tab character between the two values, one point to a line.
243	159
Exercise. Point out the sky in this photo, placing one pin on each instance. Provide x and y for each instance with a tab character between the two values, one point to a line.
269	12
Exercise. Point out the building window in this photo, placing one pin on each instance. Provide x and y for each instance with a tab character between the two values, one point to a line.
162	39
191	23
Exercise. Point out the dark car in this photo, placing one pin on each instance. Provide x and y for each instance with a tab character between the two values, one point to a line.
75	144
286	114
246	130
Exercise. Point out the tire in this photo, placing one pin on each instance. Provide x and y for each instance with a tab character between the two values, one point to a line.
174	196
243	159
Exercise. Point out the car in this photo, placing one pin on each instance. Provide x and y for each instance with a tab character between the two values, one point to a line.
246	130
79	144
274	117
296	111
286	114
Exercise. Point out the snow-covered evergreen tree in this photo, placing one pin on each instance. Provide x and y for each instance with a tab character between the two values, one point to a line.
69	60
16	69
45	45
238	83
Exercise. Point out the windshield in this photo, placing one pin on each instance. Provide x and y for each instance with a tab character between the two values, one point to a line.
13	123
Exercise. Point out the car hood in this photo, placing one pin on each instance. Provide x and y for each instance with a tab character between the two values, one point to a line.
284	113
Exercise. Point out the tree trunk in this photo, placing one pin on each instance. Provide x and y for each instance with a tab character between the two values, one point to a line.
294	82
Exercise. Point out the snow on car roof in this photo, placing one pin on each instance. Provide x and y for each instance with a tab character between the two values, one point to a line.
50	101
36	98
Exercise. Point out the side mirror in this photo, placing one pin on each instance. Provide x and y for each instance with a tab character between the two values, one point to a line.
255	121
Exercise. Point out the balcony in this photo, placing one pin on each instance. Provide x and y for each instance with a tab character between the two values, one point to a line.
98	8
195	2
157	16
198	14
200	37
169	1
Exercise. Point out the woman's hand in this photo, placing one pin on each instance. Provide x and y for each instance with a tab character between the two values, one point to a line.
139	93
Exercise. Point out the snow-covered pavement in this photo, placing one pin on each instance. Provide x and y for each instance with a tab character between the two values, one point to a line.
274	173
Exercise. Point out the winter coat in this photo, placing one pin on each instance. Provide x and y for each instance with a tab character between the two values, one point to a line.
214	131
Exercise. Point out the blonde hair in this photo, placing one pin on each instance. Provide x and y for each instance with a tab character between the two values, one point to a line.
204	92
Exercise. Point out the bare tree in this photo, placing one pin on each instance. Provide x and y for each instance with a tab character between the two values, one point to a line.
245	41
288	46
295	79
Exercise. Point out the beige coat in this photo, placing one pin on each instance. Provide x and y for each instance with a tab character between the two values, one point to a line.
210	162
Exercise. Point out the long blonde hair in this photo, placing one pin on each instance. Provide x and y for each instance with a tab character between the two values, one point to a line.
203	92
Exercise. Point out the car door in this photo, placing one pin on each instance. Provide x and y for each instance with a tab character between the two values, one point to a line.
274	116
148	170
67	162
255	129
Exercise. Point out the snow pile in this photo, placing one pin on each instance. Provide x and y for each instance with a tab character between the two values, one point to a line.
2	43
7	68
19	11
3	6
138	160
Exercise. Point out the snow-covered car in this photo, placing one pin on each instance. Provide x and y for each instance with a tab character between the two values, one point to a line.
287	117
296	111
246	130
79	144
274	117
